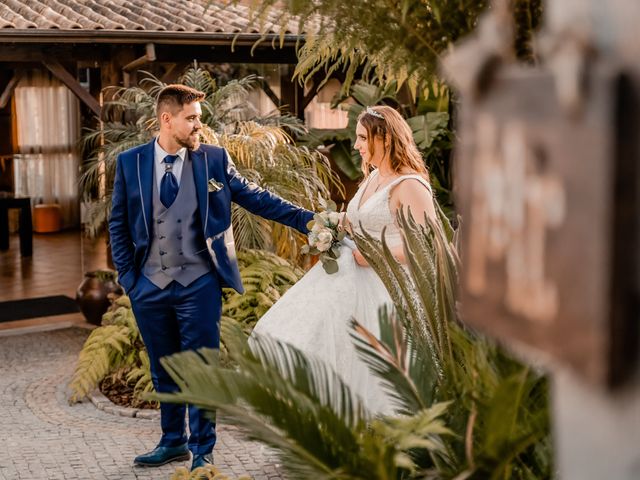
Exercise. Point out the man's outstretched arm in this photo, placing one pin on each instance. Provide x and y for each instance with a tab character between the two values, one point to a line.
261	202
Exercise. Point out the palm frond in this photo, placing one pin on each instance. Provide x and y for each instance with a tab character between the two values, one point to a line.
348	36
404	295
115	348
250	231
314	422
489	387
408	377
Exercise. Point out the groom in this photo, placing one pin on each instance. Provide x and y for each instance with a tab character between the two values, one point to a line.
173	247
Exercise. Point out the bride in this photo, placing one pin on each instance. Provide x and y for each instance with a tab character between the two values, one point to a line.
314	314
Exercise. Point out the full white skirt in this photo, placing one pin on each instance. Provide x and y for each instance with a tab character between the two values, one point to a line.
314	316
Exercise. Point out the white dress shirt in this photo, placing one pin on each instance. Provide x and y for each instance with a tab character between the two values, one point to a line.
159	168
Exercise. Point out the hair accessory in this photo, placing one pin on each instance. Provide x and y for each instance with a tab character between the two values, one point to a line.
371	111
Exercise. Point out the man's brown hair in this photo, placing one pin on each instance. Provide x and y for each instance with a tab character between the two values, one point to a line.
174	97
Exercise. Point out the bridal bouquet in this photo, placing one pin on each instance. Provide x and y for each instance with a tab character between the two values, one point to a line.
324	238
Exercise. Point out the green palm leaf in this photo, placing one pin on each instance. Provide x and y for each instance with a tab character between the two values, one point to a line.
466	409
409	378
315	423
500	407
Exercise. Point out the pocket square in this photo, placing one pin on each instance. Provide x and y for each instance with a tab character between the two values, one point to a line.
214	186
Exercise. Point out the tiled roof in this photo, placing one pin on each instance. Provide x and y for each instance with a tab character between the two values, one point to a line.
191	16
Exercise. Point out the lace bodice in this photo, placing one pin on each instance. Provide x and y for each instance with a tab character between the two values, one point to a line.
375	214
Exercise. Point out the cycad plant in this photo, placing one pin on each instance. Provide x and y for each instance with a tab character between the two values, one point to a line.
266	277
115	351
465	409
261	146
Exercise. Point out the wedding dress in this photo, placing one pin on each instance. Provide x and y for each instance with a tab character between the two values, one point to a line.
314	314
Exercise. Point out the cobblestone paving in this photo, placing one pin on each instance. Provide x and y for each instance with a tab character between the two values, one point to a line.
42	437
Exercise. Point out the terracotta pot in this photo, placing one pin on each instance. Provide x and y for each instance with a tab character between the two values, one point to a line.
92	296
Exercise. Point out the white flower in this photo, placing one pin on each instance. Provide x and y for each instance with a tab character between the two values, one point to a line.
324	216
317	228
334	218
324	240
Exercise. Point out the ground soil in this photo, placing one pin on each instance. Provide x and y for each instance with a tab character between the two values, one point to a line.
121	393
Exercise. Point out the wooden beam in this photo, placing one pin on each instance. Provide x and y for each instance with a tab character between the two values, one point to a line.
168	73
270	93
165	53
8	90
313	91
70	81
292	93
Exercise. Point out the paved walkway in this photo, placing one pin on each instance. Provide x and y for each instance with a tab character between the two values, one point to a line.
42	437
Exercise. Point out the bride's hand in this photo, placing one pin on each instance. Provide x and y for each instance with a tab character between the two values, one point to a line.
360	260
344	223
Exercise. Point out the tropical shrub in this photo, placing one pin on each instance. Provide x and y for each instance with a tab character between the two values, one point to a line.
266	277
396	46
465	409
261	147
385	42
113	351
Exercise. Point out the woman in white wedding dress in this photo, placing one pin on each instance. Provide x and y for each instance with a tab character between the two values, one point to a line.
314	314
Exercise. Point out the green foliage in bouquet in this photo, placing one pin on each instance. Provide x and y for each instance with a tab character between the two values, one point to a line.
114	350
324	236
465	409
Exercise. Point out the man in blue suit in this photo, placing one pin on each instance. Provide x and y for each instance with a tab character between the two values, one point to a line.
173	247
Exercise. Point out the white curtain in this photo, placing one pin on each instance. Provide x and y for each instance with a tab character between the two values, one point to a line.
48	126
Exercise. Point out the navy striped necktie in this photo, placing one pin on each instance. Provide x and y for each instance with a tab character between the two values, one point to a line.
169	183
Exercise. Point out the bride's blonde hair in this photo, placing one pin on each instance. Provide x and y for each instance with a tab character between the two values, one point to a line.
397	139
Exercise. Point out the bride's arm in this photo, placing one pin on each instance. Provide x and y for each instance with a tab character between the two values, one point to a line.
409	194
412	194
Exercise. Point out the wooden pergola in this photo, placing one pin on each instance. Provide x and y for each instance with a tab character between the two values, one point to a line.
92	44
115	42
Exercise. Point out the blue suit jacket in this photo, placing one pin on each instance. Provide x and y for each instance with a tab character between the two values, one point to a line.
131	225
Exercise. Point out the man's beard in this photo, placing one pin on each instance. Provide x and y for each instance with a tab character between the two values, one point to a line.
188	142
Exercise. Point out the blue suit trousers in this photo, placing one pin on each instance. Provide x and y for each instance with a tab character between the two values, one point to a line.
172	320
